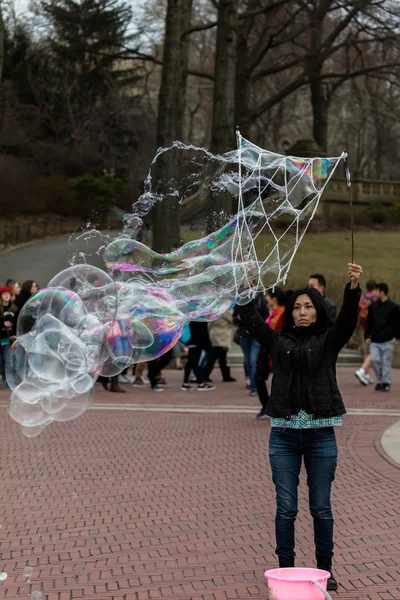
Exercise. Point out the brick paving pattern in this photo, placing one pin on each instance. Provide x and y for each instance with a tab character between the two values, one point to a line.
140	505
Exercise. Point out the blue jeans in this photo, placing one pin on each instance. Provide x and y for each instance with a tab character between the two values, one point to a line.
286	450
250	348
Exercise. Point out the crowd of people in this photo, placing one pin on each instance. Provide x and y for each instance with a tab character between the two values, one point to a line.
12	298
205	344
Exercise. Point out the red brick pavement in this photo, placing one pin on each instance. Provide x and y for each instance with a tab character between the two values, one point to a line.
140	505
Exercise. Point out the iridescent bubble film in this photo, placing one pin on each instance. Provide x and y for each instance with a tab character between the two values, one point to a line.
88	322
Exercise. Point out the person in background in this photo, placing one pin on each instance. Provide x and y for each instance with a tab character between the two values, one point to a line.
362	373
381	330
114	384
199	341
154	370
14	287
8	313
177	356
140	381
28	289
250	346
276	301
221	336
318	282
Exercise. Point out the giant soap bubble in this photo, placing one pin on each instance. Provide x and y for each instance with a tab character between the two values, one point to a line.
87	322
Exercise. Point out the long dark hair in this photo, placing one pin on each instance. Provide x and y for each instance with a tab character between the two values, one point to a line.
323	318
26	287
279	294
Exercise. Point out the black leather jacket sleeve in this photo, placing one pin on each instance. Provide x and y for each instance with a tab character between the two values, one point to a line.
249	318
346	321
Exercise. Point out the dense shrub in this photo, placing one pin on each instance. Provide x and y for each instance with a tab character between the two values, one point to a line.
379	213
53	195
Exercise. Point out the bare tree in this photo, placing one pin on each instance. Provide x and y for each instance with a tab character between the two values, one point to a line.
1	41
171	108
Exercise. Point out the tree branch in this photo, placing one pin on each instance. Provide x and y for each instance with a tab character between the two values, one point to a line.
262	11
199	27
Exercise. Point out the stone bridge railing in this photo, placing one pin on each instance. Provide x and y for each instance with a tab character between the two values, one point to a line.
365	191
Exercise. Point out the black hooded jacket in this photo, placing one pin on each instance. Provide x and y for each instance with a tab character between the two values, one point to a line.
304	358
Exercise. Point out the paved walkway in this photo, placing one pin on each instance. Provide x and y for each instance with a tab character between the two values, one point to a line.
134	501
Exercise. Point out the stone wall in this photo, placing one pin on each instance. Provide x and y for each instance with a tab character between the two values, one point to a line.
19	231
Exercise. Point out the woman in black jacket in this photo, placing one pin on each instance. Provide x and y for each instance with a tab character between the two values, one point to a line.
304	406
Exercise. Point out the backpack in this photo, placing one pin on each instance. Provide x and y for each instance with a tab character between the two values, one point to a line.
365	303
185	337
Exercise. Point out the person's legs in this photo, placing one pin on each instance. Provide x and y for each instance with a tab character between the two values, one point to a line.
156	366
211	358
221	355
188	368
2	362
4	351
262	372
153	371
245	344
139	370
114	386
285	460
197	370
192	363
387	356
163	362
320	459
362	373
376	361
367	363
254	350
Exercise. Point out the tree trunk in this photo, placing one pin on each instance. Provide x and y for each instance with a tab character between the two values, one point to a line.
171	109
1	43
319	92
320	109
223	126
242	87
223	122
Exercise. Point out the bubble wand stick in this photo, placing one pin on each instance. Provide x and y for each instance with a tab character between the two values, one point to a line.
350	197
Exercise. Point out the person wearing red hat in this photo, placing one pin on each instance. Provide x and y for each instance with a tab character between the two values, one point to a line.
8	318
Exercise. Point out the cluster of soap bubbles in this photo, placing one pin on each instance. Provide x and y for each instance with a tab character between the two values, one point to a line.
88	322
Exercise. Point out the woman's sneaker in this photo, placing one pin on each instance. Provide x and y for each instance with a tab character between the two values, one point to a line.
205	387
185	387
361	376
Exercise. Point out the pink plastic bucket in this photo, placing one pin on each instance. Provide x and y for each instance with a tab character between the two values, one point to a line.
297	584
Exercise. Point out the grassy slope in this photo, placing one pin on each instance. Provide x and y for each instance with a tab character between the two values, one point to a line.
377	251
328	253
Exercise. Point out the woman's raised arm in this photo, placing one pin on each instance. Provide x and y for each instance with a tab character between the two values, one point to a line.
251	320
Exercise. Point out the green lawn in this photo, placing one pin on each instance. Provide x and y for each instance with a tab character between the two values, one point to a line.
328	253
378	252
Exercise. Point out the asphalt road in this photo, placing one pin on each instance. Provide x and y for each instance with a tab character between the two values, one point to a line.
42	259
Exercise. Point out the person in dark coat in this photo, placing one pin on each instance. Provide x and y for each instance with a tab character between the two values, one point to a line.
318	282
199	342
28	289
250	346
305	405
381	331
